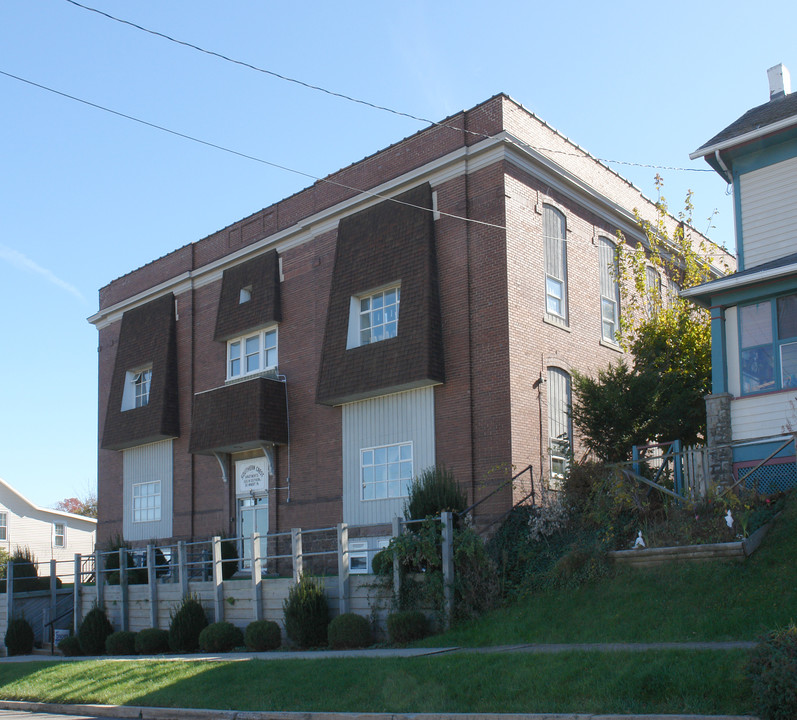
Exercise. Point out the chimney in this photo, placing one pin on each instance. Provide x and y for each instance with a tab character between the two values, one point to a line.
779	82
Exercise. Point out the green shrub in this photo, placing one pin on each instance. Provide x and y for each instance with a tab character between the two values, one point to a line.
187	621
382	564
773	672
122	642
26	576
306	613
262	635
152	641
229	557
406	626
135	576
220	637
349	631
19	637
435	490
70	646
93	631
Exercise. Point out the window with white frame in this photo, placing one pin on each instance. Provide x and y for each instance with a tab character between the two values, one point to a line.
768	338
59	535
252	353
386	471
137	386
147	501
3	526
610	290
374	317
653	289
554	228
560	430
361	553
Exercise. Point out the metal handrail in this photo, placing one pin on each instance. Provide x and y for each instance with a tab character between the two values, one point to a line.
528	469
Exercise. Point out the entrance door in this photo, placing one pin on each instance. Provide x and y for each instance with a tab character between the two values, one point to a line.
252	517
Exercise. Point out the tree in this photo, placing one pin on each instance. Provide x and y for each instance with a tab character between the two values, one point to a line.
87	506
659	397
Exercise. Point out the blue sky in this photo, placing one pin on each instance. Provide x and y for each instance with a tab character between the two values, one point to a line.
86	196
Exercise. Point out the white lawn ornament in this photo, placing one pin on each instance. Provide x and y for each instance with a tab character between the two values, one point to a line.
729	518
639	542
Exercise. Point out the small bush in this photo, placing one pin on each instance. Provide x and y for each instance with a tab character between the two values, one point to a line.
19	637
773	672
135	575
382	564
306	613
435	490
406	626
93	631
220	637
70	646
26	576
152	641
262	635
188	620
229	557
349	631
122	642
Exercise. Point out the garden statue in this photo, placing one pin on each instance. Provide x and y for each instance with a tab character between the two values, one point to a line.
639	542
729	518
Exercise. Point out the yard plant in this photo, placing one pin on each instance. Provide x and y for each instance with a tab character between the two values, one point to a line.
307	613
188	619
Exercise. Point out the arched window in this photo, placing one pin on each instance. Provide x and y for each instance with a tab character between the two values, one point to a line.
610	290
560	426
554	230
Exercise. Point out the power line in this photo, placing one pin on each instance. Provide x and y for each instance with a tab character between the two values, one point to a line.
359	101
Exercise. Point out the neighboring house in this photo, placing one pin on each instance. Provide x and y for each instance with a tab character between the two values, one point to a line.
754	311
297	368
49	534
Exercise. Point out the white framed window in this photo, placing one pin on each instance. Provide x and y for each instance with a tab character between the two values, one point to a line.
137	386
554	228
361	554
560	430
59	535
386	471
653	289
610	290
374	316
252	353
245	295
147	501
3	526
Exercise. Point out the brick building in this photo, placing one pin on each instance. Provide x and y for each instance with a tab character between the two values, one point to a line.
298	367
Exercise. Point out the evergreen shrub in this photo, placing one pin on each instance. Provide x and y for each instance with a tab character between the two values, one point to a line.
152	641
773	671
19	637
188	619
70	646
93	631
262	635
434	491
349	631
306	613
406	626
220	637
122	642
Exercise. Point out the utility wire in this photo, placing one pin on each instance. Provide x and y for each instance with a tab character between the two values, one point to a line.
343	96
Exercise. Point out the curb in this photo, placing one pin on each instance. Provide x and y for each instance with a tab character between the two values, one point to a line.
155	713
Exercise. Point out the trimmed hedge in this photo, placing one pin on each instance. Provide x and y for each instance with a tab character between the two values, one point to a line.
220	637
262	636
406	626
349	631
152	641
122	642
188	620
19	637
93	632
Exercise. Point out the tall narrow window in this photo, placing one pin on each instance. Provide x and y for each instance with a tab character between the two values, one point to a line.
653	288
3	526
560	430
147	501
554	230
758	357
141	382
59	535
610	290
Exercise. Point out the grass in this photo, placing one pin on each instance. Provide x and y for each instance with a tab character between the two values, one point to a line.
707	682
711	600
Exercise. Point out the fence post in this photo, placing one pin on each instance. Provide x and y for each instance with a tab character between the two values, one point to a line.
123	585
9	592
343	567
76	593
257	577
296	552
53	596
152	581
218	587
635	458
677	450
396	531
448	564
99	578
182	563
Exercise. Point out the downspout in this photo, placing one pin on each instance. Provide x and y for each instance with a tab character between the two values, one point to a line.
726	174
470	315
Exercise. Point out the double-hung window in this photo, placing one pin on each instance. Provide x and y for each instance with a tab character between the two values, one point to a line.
379	315
768	338
610	290
554	230
147	501
137	386
252	353
59	535
559	423
386	471
3	526
653	289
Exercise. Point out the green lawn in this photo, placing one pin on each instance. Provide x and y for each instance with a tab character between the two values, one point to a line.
651	682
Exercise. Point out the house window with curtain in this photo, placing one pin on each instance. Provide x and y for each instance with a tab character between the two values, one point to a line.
554	228
610	290
560	429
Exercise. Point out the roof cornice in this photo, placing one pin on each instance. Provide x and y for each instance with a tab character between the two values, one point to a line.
747	137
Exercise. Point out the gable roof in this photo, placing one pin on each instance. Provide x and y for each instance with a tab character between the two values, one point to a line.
59	513
768	118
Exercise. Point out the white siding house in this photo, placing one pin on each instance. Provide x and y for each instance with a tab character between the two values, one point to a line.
50	534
